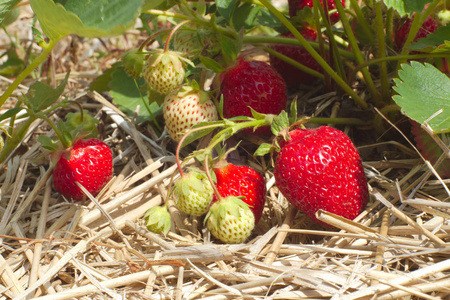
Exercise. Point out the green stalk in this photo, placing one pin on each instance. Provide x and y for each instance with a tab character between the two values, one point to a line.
396	58
290	41
47	49
381	46
389	26
358	54
340	121
316	55
362	20
294	63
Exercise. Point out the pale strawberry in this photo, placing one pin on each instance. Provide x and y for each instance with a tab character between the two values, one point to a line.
185	108
230	220
164	72
193	193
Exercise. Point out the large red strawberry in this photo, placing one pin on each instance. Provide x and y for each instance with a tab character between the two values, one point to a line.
321	169
402	31
89	162
291	74
252	84
244	181
296	5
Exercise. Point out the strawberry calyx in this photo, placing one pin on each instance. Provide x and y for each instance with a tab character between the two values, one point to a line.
78	125
133	62
193	87
158	220
230	205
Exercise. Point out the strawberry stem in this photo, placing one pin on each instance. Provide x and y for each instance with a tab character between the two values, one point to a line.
47	49
172	32
58	132
208	174
150	38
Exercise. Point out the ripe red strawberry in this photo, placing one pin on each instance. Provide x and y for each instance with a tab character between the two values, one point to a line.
291	74
252	84
321	169
185	108
296	5
89	162
230	220
164	72
401	32
244	181
429	149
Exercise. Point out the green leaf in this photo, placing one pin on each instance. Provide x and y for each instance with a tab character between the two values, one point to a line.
437	38
48	143
42	96
280	122
404	7
226	8
267	18
102	83
211	64
10	113
424	90
127	96
228	48
200	133
5	7
85	17
246	16
263	149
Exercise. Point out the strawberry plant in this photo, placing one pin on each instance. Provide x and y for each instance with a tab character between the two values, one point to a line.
212	112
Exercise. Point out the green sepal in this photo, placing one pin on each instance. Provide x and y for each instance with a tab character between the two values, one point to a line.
158	219
85	123
280	122
133	63
48	143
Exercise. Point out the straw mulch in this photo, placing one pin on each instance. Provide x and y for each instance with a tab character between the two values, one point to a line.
52	248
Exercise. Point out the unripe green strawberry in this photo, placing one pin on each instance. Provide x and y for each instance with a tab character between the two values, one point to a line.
193	193
188	44
230	220
157	219
133	63
164	72
185	108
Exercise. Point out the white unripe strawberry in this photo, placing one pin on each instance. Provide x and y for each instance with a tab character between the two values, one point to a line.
185	108
164	72
230	220
193	193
